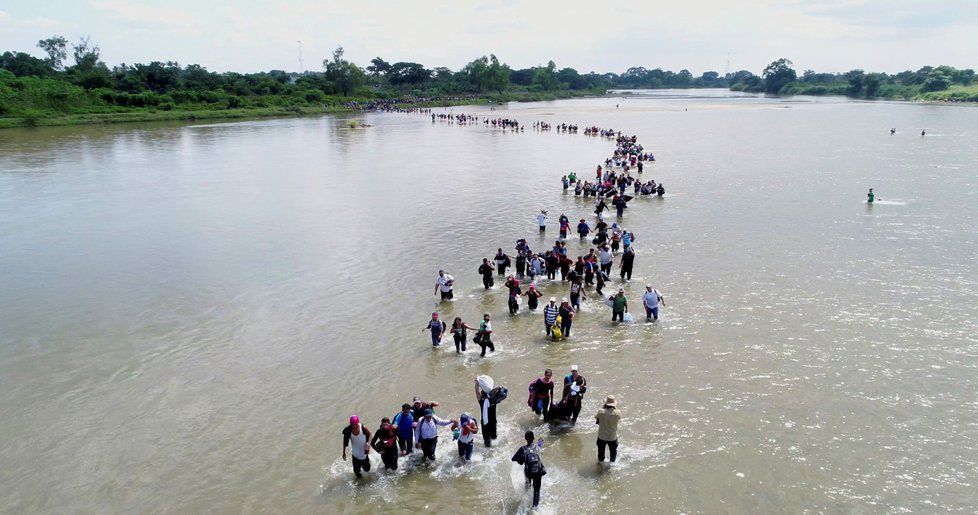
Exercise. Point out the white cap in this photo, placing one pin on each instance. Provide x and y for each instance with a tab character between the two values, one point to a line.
573	368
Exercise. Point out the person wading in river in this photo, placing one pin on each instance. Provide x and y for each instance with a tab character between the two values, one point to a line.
385	443
485	269
437	328
444	285
607	420
426	434
529	457
356	436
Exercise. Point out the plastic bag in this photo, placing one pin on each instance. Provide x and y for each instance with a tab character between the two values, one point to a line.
486	383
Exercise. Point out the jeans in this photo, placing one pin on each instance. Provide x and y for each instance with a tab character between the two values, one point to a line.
565	326
652	313
612	446
575	299
436	337
459	342
465	450
359	465
542	406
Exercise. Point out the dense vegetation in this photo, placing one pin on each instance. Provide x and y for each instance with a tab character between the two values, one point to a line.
943	83
49	90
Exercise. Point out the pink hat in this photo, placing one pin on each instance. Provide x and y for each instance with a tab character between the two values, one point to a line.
354	420
434	315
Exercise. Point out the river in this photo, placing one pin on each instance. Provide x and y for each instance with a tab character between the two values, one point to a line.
190	312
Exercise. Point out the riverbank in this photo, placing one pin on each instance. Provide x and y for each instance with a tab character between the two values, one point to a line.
339	105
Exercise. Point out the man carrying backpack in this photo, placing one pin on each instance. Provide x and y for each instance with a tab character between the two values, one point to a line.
529	456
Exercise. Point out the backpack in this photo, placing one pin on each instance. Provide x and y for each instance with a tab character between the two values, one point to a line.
498	394
531	461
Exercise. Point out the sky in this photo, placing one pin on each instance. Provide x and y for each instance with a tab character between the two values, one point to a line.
593	35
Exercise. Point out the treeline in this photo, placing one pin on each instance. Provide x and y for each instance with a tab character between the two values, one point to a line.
928	83
33	87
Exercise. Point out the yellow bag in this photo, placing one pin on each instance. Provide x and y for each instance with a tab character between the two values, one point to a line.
556	330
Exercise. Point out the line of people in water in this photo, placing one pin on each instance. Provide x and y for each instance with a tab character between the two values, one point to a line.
416	426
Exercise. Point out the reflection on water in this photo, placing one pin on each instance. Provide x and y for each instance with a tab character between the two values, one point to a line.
189	313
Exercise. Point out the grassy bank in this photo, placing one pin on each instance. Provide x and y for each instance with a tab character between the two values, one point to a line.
38	118
952	94
33	101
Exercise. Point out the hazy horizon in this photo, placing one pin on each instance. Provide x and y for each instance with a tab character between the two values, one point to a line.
823	35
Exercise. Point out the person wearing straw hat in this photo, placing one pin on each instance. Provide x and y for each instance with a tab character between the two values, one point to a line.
607	420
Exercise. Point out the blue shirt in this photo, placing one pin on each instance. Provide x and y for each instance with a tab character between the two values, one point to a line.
405	424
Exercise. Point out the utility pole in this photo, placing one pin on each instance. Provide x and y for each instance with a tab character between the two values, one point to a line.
301	67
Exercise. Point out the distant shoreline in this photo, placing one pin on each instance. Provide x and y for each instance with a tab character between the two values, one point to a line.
158	115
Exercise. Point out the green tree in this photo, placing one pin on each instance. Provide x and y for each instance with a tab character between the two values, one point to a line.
777	75
498	74
855	78
936	81
545	77
412	74
57	49
486	74
872	83
345	76
86	54
22	64
378	67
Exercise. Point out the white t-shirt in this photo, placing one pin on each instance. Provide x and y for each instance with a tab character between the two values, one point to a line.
443	281
541	219
606	257
358	445
651	298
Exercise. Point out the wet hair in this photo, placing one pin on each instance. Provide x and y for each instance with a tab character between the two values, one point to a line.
529	437
385	420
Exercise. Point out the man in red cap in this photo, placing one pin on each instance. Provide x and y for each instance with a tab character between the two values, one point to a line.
357	437
437	328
